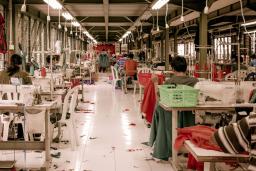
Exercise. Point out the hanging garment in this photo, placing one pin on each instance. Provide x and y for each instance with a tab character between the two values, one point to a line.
149	101
161	128
103	60
3	44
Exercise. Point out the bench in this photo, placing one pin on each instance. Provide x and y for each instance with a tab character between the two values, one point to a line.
210	157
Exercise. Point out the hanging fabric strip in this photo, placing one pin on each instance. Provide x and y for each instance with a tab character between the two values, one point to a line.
3	44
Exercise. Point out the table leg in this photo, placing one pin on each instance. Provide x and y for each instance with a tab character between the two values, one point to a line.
209	166
47	140
174	136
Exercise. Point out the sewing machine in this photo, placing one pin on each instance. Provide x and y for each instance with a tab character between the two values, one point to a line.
224	92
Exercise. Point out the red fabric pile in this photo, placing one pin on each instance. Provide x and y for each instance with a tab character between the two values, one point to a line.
149	101
3	44
199	135
193	164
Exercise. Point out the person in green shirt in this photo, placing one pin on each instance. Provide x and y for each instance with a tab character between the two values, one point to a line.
161	127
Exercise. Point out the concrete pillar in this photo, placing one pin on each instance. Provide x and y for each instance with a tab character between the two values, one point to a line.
175	36
203	34
162	47
167	49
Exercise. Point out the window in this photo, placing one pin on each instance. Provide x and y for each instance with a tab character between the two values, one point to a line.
222	46
181	49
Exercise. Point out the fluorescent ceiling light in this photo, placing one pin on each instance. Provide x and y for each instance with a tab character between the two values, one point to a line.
67	16
146	15
90	36
54	4
159	4
126	34
250	23
75	23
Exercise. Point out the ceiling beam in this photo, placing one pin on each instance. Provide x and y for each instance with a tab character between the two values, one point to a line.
251	4
98	24
106	14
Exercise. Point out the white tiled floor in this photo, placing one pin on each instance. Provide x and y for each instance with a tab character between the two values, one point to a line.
107	139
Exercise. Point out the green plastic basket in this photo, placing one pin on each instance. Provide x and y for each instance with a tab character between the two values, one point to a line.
178	95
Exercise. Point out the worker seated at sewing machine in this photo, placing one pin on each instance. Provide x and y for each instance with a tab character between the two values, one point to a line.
130	67
55	61
14	71
161	127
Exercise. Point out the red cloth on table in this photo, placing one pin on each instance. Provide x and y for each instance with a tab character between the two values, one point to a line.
199	135
149	101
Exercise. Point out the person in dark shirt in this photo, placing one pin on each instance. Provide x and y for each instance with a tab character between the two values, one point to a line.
179	66
14	70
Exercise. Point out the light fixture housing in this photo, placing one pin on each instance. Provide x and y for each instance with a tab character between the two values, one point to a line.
67	16
159	4
54	4
182	18
206	8
75	23
23	7
249	24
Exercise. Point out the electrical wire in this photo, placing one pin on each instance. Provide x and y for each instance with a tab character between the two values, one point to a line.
157	27
182	8
166	13
188	31
242	13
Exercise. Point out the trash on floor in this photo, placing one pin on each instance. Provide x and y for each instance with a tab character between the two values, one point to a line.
132	150
132	124
57	155
126	110
93	138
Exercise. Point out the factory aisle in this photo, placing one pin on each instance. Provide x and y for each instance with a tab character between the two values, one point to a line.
111	132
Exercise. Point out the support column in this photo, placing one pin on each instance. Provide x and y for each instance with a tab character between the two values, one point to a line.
203	34
167	49
148	56
120	47
175	43
162	48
